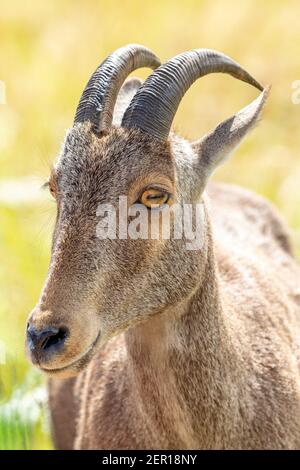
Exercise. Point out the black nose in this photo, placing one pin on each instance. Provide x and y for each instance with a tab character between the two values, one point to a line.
43	343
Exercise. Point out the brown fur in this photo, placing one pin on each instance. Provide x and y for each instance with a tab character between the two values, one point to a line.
197	349
233	379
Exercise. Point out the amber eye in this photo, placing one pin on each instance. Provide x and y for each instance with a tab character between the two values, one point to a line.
152	197
52	188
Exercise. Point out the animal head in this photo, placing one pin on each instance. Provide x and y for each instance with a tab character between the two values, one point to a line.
121	145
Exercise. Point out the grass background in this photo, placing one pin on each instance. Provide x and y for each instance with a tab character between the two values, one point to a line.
48	51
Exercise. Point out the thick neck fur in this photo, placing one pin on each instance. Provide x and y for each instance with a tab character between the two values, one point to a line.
183	365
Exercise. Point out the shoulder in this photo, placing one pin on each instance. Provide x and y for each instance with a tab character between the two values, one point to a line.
241	211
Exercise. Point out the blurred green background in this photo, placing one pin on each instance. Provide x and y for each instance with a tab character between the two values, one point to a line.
48	51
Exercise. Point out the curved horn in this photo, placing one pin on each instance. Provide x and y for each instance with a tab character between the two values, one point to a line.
154	106
99	96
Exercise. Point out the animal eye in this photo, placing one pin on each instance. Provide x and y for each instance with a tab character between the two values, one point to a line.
152	197
52	190
51	186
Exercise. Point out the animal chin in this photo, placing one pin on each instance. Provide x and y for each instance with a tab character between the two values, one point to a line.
74	368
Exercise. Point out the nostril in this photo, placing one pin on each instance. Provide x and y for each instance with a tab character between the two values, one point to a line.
53	339
44	339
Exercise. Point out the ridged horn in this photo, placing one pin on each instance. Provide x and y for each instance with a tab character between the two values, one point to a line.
153	108
99	96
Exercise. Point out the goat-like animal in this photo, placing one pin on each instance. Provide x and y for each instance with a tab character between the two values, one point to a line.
176	348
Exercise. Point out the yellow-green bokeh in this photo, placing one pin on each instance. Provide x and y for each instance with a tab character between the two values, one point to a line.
48	51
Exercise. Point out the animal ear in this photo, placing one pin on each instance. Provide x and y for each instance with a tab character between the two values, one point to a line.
215	147
125	96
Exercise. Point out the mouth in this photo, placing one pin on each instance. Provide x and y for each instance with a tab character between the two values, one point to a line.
78	364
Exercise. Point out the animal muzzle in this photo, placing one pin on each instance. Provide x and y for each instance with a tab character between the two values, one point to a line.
47	337
43	344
